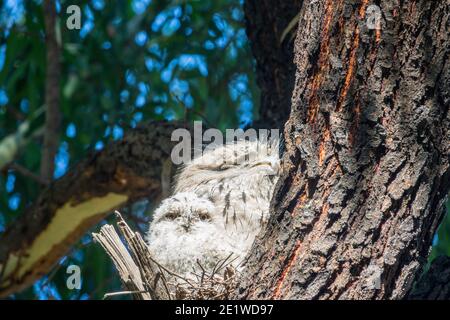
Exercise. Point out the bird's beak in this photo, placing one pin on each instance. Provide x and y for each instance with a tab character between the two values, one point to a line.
186	223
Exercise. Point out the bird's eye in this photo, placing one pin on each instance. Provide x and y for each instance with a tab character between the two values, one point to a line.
204	216
225	166
262	163
171	216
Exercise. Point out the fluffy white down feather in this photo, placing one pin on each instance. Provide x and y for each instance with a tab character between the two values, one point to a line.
221	200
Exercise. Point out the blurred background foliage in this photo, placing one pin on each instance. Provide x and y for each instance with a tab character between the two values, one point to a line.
132	61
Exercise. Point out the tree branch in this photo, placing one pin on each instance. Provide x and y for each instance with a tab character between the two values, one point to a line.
27	173
121	173
52	93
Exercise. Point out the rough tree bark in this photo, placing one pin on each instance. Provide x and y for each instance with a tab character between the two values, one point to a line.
366	166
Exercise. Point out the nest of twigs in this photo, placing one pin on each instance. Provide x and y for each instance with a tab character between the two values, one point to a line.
216	284
145	279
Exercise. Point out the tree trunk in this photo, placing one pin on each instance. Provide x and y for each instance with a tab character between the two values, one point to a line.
270	27
366	165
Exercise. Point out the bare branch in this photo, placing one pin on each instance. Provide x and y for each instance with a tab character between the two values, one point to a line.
52	93
128	271
27	173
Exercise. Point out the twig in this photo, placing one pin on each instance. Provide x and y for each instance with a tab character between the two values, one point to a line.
27	173
128	271
112	294
15	113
